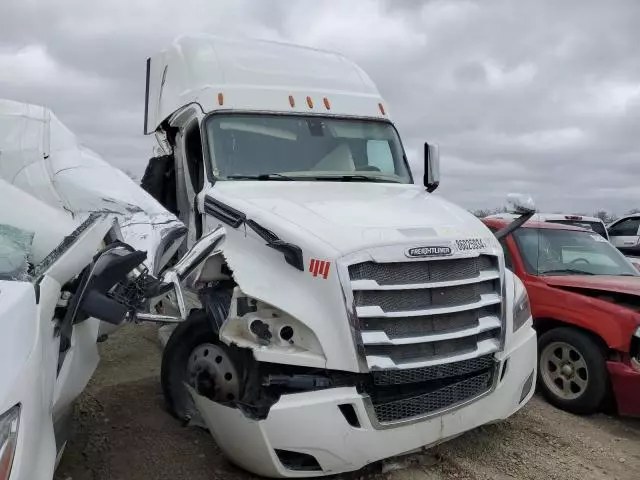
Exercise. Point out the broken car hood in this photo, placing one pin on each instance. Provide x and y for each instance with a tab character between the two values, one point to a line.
42	157
352	215
605	283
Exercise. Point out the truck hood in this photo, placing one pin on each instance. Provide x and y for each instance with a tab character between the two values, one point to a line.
605	283
351	215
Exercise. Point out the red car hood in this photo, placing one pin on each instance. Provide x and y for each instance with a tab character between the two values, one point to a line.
628	285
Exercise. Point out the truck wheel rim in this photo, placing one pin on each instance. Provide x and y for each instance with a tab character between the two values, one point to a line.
564	370
212	373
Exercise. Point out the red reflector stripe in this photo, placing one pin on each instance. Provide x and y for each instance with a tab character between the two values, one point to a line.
312	267
325	270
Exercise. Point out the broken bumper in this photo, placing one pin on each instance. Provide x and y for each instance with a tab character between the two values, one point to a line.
311	423
626	387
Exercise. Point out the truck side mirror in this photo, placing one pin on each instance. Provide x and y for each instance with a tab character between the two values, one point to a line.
522	205
431	167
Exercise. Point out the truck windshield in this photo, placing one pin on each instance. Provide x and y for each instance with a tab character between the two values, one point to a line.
570	252
288	147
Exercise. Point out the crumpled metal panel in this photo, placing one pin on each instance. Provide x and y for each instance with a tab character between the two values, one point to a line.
42	157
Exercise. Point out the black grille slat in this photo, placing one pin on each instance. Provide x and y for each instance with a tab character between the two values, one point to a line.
404	273
435	372
406	327
422	299
423	404
429	350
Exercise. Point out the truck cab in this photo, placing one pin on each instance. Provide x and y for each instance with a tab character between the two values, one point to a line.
347	300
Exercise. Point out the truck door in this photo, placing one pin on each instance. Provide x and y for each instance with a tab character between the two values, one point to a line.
190	176
624	234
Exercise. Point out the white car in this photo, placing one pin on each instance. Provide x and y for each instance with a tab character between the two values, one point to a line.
56	285
60	255
624	234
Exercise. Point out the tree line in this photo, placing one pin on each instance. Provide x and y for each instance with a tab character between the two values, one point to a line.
606	217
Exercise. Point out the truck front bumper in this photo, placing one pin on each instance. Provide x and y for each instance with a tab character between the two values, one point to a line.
312	423
626	388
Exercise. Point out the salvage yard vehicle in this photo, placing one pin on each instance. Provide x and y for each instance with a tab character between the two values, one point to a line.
590	223
67	279
625	234
347	315
58	281
585	300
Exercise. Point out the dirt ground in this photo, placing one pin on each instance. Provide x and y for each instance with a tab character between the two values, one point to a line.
123	433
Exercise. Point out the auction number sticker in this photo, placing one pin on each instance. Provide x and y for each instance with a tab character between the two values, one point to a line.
470	244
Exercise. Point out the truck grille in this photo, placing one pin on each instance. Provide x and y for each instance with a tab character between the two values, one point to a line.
436	400
400	395
417	375
429	329
403	273
421	313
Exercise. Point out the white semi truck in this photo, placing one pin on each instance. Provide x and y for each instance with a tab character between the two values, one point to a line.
348	315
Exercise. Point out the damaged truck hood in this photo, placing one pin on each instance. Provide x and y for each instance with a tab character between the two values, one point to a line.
351	215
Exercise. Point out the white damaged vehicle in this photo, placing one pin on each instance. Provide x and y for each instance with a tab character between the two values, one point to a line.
58	282
66	277
349	315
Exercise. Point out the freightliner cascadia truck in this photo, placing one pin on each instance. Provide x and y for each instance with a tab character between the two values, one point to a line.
348	314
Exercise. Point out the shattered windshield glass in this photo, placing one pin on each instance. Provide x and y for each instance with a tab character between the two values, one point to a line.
15	249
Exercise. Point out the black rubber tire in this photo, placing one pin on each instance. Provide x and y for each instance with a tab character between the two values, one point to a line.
594	356
195	331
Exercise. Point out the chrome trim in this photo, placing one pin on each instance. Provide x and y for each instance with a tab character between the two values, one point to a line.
483	347
375	311
352	316
503	304
485	275
371	413
158	318
379	337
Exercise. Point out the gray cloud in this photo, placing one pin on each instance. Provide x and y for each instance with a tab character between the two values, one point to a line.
542	97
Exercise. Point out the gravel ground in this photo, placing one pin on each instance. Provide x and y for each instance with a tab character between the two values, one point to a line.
123	433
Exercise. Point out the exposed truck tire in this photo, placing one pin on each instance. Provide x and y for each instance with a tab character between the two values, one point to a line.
197	339
572	371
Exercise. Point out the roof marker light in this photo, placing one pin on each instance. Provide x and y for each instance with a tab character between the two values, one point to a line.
381	107
220	98
292	102
326	103
309	102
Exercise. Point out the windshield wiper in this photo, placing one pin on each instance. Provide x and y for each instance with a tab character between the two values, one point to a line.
357	178
262	176
566	270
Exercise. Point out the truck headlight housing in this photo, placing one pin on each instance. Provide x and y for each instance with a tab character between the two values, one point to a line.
258	325
521	310
9	423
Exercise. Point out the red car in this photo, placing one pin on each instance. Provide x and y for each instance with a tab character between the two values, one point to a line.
585	302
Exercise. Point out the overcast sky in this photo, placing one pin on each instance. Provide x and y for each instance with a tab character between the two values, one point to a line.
541	97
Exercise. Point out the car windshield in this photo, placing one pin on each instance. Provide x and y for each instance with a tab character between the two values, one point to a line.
288	147
15	249
570	252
